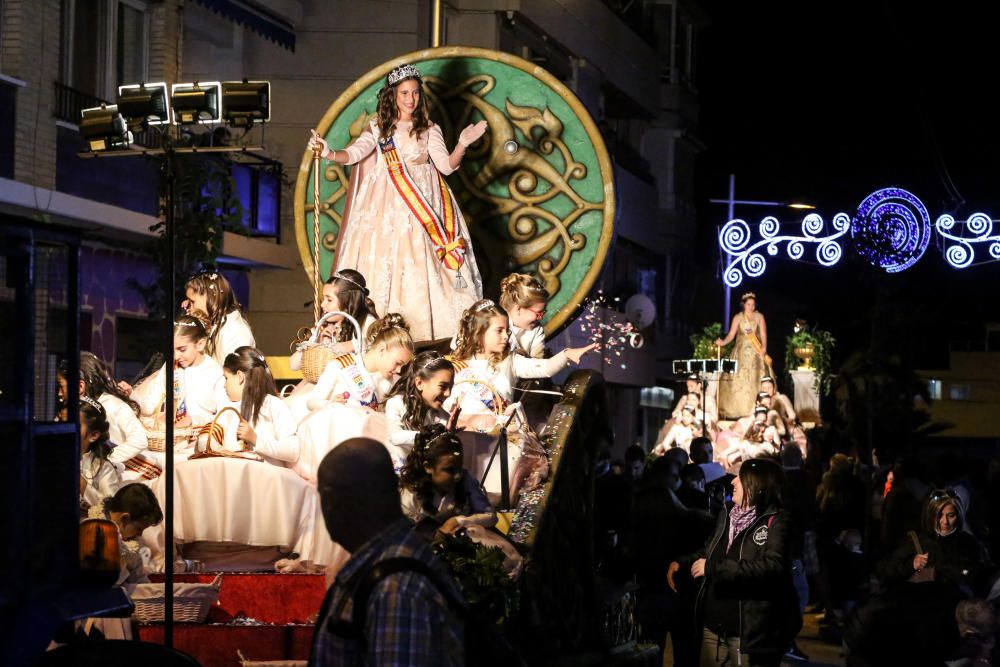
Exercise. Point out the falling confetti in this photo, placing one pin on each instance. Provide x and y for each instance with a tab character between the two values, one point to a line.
612	336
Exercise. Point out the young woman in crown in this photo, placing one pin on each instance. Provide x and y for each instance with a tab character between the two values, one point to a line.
402	226
738	392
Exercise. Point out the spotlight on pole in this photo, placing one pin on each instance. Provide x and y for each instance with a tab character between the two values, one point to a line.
144	104
246	102
197	102
103	128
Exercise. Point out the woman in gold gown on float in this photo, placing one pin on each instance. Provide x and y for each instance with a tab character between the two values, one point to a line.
403	230
738	392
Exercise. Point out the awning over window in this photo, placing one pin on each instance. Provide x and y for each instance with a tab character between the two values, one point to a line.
260	21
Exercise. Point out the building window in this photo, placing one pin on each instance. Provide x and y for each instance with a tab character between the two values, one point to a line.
104	45
958	392
934	389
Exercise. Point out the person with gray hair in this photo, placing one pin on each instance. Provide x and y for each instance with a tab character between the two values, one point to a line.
387	605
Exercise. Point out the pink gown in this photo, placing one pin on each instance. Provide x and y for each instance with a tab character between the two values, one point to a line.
382	239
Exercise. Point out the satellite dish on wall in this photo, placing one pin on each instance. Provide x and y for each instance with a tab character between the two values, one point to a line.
640	310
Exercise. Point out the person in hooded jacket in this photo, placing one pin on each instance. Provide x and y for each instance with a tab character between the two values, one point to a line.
746	608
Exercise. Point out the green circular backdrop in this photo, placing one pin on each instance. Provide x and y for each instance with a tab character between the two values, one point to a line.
545	209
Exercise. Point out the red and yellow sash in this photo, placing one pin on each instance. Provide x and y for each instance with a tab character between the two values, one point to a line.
441	229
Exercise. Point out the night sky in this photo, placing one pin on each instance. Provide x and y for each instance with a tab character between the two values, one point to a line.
827	102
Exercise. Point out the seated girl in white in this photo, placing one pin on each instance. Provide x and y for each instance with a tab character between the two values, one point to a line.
265	422
416	401
524	299
485	369
125	431
197	376
99	476
364	381
209	292
681	433
198	392
344	292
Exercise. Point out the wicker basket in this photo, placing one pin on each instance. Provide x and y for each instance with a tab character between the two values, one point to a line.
191	601
156	432
316	355
214	431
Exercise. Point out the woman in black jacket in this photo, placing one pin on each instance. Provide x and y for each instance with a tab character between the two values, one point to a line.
746	600
943	551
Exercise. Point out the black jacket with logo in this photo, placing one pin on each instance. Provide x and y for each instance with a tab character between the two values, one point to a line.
760	580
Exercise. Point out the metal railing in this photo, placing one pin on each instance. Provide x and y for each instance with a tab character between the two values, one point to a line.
70	102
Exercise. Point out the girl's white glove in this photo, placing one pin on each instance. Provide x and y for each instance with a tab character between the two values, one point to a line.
472	133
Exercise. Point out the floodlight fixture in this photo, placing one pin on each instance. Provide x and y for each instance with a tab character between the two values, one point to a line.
246	102
103	128
144	104
198	102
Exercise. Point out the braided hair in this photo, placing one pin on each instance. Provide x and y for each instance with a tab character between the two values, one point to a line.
97	380
431	444
423	366
391	331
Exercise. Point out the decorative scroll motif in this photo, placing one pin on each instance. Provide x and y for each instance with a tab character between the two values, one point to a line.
890	230
536	190
747	258
960	250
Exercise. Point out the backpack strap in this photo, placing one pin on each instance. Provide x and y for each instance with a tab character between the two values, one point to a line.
378	572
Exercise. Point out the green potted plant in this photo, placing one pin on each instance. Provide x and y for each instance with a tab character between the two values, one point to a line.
703	342
809	348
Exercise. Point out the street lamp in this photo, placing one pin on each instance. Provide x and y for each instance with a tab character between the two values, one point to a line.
731	202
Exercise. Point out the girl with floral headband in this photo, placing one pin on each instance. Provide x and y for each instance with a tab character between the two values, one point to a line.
209	292
402	227
265	423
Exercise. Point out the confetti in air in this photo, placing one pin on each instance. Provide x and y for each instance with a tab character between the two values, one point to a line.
612	336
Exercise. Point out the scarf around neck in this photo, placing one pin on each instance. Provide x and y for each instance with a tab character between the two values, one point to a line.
740	519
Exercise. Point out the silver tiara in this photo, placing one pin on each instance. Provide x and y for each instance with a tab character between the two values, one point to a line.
403	72
92	403
339	275
485	304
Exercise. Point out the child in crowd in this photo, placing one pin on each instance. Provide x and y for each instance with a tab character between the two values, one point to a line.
416	401
125	429
99	476
364	381
209	292
524	299
198	383
265	422
485	367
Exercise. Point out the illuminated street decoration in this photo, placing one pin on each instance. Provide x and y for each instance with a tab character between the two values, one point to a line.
890	230
745	254
960	250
